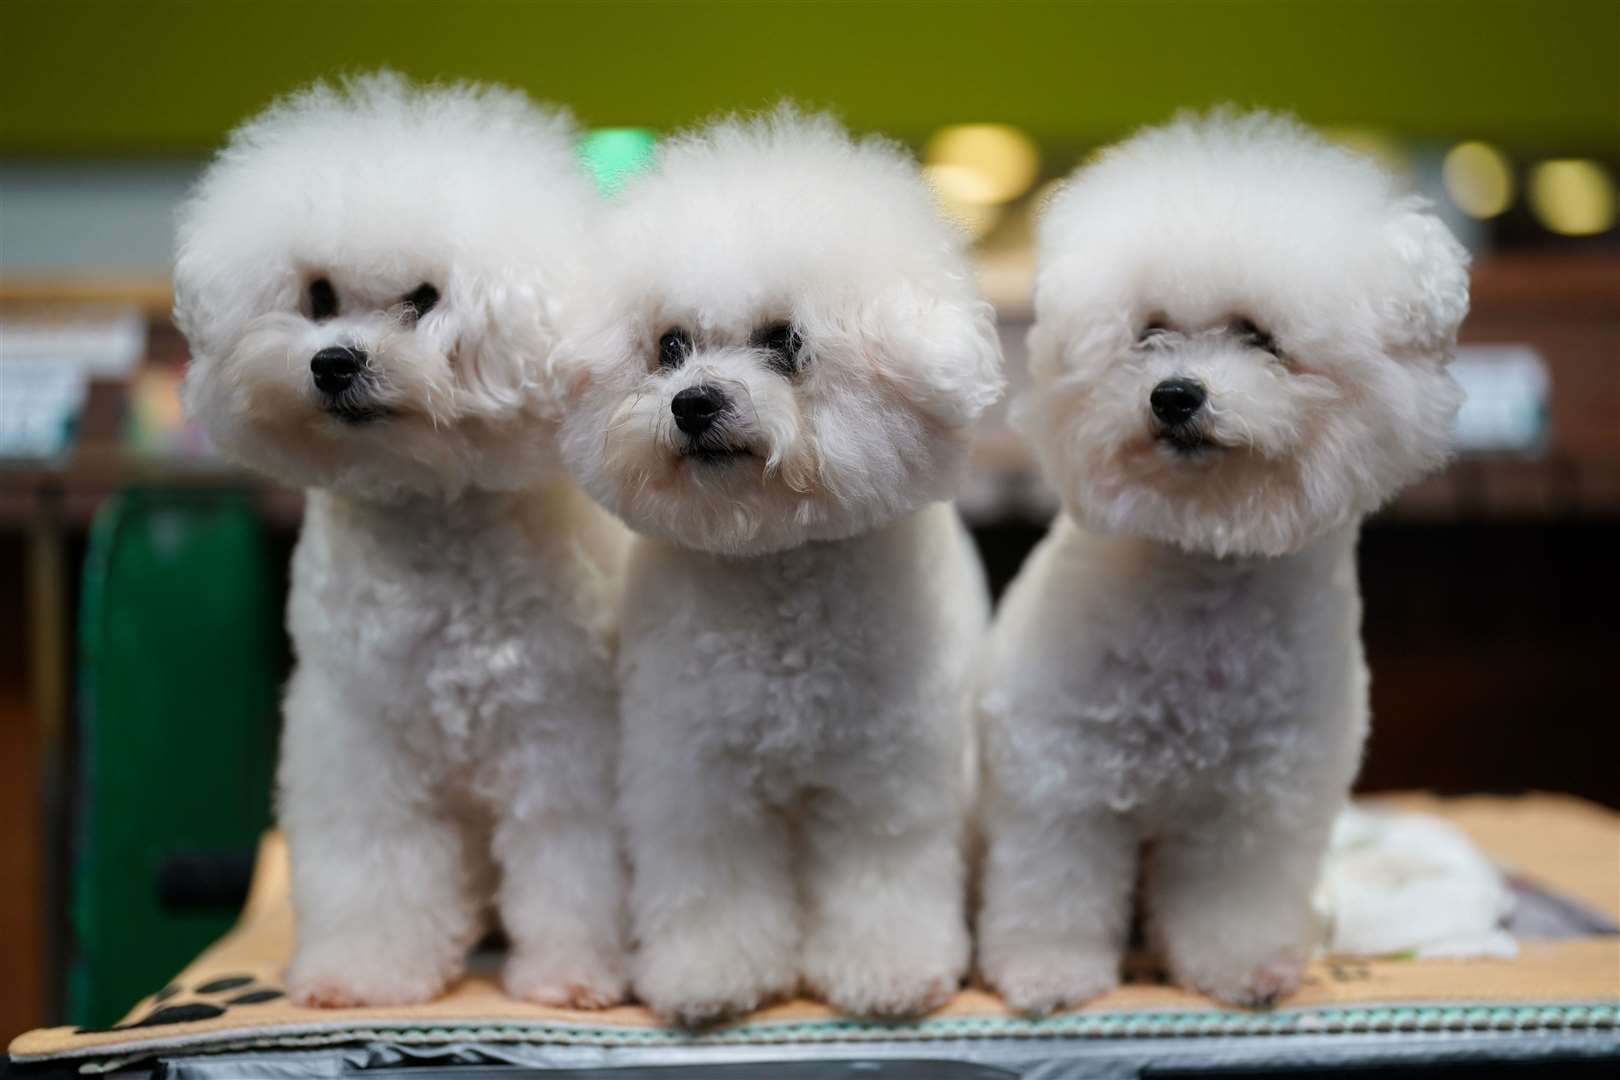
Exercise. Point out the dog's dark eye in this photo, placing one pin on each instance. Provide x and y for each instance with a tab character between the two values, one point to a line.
783	343
323	302
673	349
1152	332
420	300
1251	335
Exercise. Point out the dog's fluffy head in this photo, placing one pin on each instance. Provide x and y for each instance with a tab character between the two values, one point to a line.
788	345
420	240
1240	336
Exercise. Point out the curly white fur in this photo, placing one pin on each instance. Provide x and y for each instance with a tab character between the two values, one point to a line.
451	723
1177	672
802	609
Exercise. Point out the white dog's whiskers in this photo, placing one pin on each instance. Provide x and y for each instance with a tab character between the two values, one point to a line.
1221	415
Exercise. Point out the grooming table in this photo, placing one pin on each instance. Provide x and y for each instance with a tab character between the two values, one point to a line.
1557	1004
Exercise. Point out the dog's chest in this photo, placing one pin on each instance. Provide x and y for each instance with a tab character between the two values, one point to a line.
786	663
441	627
1191	690
482	669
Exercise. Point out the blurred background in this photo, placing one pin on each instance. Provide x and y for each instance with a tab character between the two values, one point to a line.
141	581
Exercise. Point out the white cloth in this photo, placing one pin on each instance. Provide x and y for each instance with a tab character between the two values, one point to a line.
1410	883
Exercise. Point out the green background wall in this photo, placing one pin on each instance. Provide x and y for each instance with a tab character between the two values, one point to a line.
154	78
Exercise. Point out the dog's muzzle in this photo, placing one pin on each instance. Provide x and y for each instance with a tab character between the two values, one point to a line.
1176	401
700	413
336	368
337	371
1176	404
696	409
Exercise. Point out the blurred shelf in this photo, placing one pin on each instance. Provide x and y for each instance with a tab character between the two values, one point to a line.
67	492
1565	305
151	293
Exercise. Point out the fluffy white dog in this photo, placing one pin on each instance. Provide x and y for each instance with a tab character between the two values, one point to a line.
778	393
370	278
1238	352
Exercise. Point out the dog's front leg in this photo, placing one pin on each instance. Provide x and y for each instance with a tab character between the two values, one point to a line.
1229	900
561	901
713	904
385	889
556	843
886	931
1057	903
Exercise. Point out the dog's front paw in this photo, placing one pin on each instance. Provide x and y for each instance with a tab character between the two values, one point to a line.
328	979
1041	979
1252	985
907	973
585	980
867	985
692	985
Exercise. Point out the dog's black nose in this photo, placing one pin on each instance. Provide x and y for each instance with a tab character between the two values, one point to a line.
1175	400
696	408
334	368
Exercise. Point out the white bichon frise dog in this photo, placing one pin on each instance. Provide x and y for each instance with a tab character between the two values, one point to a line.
1239	350
777	393
370	278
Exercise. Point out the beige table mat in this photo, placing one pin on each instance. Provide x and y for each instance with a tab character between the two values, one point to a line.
230	995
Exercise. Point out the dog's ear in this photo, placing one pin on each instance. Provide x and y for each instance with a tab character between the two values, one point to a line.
940	353
214	300
504	333
1041	346
595	342
1429	287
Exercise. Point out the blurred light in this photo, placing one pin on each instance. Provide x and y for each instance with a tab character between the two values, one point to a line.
614	154
982	163
1572	196
961	185
1478	178
975	216
1379	145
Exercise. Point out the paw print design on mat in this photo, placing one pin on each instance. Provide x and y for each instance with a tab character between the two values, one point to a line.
226	992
